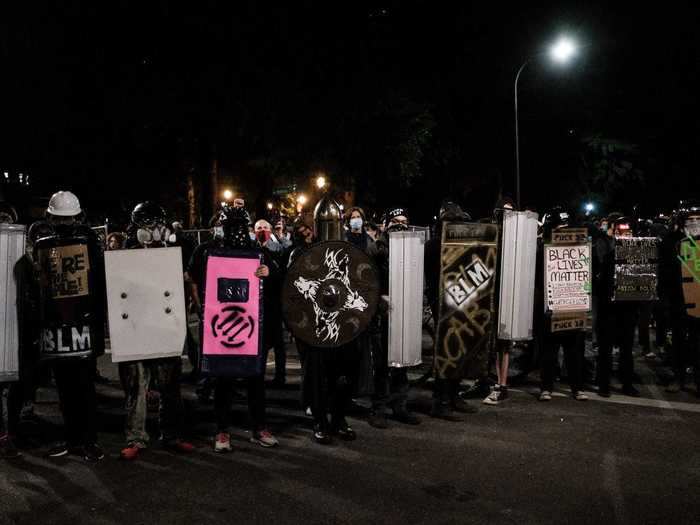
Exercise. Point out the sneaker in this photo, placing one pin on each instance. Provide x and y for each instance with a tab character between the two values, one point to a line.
321	435
545	395
377	420
343	430
629	390
308	412
131	451
580	396
222	443
404	416
179	446
58	450
93	453
461	406
673	387
497	395
479	390
604	391
650	355
441	410
7	448
264	438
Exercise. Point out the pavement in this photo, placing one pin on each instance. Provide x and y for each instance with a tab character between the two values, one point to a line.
616	460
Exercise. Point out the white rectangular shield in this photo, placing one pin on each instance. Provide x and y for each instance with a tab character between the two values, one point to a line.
406	251
517	285
146	302
11	250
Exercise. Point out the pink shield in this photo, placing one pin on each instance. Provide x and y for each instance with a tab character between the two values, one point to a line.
232	307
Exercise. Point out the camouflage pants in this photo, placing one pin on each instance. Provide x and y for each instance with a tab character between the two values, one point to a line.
137	378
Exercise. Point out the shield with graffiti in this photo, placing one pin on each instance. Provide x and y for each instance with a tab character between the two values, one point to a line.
466	313
690	274
232	326
330	294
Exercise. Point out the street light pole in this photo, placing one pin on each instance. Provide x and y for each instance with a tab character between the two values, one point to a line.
517	137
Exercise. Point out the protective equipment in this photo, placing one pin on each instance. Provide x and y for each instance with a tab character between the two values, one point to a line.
692	227
235	223
64	204
356	223
150	220
392	213
264	236
327	220
556	217
452	212
8	215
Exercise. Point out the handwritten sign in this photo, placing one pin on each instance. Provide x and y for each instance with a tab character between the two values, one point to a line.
567	277
67	269
570	236
636	268
690	275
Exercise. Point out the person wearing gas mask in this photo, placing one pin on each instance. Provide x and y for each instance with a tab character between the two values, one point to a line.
356	233
74	375
391	384
148	230
685	328
571	342
616	320
445	391
234	222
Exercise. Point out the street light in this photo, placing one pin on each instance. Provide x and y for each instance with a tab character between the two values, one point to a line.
228	195
269	206
560	52
301	199
589	207
320	182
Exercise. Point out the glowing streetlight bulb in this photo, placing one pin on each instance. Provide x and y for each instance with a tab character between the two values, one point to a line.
320	182
563	50
228	195
269	206
301	199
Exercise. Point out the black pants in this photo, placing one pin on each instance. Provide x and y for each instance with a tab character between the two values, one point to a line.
76	393
280	352
223	397
660	312
616	324
390	384
685	348
330	375
643	327
573	344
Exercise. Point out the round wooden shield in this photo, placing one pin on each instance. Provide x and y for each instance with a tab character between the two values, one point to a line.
330	294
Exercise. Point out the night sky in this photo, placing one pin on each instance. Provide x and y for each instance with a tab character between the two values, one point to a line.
404	102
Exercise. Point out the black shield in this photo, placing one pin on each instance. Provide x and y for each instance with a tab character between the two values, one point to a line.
330	294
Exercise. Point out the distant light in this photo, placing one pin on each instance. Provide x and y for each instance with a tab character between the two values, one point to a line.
7	175
269	206
320	182
301	199
341	207
563	50
228	195
21	177
589	207
223	203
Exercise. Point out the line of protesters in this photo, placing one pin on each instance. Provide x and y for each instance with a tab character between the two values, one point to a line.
332	377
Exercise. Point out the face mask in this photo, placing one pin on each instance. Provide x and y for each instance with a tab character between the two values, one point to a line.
356	223
397	227
692	227
157	235
264	236
218	232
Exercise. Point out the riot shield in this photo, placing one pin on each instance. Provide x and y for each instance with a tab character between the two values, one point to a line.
232	327
12	243
517	284
467	277
690	274
330	294
71	324
146	303
406	257
636	268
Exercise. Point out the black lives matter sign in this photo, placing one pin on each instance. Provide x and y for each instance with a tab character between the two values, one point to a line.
567	277
67	270
636	268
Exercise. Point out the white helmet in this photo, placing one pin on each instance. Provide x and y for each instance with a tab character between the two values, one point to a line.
64	204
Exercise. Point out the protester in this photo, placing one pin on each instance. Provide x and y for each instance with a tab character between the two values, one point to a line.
234	222
148	231
356	233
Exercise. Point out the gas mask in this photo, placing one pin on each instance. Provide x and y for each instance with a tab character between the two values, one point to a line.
155	235
397	227
692	227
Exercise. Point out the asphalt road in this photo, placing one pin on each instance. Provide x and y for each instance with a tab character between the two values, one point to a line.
619	460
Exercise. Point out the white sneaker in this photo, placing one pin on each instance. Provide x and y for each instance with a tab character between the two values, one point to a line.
545	395
580	396
493	398
222	443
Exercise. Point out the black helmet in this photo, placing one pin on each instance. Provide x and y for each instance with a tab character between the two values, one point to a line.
8	214
556	217
235	222
452	212
148	214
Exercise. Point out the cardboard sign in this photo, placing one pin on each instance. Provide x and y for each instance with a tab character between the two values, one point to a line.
146	303
466	312
67	268
570	236
690	273
12	239
636	268
406	256
517	287
232	307
567	277
564	322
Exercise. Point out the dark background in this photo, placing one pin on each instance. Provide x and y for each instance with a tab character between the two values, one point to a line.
399	103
